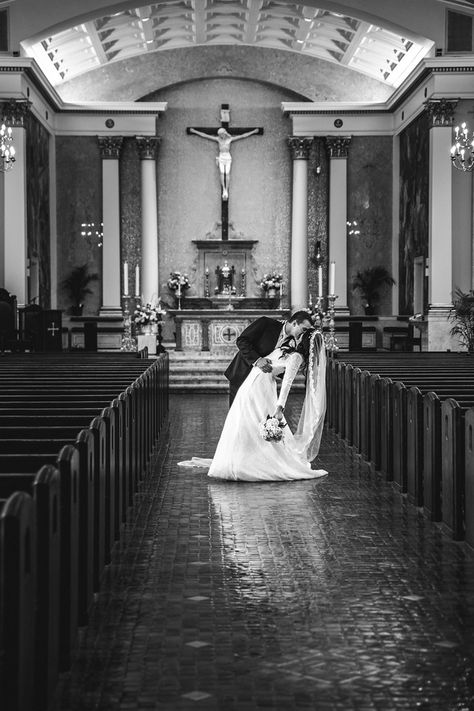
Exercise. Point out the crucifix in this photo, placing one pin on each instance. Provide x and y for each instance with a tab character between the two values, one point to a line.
224	136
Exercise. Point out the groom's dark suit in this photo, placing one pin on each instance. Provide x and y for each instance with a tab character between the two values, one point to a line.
256	341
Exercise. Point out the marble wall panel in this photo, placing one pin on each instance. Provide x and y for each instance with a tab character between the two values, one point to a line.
414	203
37	210
79	201
130	207
369	182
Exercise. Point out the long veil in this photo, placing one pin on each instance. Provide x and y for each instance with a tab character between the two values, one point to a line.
311	423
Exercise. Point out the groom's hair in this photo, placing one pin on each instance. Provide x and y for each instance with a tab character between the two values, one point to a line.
300	316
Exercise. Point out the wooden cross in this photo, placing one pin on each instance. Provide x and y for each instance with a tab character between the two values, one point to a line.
224	136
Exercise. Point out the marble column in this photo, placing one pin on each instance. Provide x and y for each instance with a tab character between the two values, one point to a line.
13	228
147	150
441	115
111	297
338	147
300	148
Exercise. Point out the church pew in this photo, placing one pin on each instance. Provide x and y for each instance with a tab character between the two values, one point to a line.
17	601
44	489
469	479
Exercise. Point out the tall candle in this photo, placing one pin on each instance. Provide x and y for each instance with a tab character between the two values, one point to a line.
137	280
332	278
320	281
125	278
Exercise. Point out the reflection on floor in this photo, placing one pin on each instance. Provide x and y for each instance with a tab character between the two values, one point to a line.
328	595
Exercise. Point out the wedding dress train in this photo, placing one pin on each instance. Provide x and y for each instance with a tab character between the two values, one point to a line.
242	454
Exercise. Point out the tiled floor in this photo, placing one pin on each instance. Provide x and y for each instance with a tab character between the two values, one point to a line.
332	594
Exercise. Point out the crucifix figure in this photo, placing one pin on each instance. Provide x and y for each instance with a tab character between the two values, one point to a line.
224	137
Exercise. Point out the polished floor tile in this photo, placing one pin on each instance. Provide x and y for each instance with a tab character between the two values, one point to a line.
329	595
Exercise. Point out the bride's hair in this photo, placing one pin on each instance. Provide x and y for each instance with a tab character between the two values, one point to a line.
304	344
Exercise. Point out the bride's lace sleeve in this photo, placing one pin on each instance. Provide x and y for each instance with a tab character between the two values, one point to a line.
293	364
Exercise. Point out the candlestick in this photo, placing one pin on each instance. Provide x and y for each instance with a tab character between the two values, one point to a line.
128	341
125	278
137	280
320	281
332	278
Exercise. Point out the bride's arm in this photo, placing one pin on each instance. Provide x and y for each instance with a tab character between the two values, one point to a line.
293	364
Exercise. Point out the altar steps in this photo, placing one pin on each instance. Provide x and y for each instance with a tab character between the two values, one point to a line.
198	371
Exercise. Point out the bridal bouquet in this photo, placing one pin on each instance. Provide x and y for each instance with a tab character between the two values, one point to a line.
271	430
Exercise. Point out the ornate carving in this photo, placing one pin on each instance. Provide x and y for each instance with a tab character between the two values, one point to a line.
148	146
15	112
110	146
300	147
440	111
338	146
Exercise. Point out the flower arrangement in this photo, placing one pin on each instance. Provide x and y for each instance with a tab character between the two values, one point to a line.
178	282
271	429
146	314
273	280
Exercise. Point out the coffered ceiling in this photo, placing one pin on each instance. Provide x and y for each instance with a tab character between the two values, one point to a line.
342	39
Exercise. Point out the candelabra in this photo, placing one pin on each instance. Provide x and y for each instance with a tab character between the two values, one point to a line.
330	338
462	151
243	283
128	341
324	320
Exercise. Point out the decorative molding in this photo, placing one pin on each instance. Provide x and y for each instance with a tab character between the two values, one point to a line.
15	112
441	111
147	146
338	146
110	146
300	147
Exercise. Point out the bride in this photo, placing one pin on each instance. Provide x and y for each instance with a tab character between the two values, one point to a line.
242	453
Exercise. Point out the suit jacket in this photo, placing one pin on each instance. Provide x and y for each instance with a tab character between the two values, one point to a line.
257	340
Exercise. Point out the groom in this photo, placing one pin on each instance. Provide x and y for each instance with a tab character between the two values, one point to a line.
258	340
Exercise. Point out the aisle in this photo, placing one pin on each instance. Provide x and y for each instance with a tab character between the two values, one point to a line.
327	595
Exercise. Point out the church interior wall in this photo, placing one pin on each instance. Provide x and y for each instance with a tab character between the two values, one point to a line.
369	182
414	205
462	216
305	78
318	205
189	204
79	201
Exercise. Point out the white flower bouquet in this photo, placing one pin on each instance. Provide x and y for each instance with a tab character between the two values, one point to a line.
271	429
271	281
148	314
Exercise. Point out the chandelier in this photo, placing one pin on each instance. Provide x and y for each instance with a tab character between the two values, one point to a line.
462	151
7	150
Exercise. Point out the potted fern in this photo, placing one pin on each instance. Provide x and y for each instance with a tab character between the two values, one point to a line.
462	318
369	282
76	286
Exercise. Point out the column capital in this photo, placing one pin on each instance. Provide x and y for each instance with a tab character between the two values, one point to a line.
300	147
147	146
110	146
441	111
15	112
338	146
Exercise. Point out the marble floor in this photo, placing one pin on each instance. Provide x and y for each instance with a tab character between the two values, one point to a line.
329	595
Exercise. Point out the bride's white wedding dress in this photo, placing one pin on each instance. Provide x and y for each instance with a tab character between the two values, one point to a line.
242	454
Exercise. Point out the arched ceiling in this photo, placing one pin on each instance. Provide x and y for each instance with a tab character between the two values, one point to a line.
345	40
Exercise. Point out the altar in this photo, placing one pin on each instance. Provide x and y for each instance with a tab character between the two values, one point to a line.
216	330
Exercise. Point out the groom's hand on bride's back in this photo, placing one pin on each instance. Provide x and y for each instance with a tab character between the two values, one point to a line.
264	364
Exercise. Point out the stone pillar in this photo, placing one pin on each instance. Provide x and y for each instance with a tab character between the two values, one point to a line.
111	297
337	147
441	115
300	147
13	229
147	150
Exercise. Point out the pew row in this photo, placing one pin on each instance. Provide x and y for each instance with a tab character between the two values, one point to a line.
79	460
